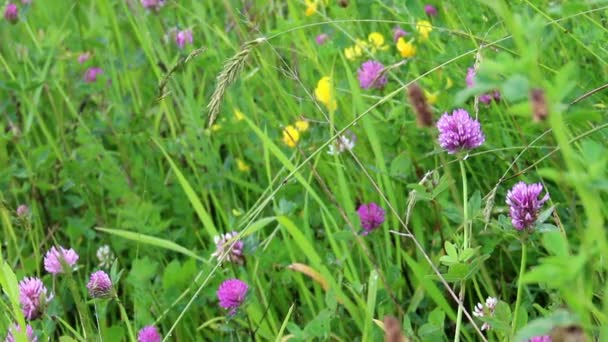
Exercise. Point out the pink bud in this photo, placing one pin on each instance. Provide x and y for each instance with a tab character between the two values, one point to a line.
11	13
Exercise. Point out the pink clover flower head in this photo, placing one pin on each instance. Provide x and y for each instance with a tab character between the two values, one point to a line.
524	204
398	32
459	132
485	310
11	13
29	332
90	75
33	297
183	37
26	2
484	98
370	75
430	10
228	245
543	338
322	39
83	57
371	216
231	294
153	4
148	333
22	210
100	285
55	259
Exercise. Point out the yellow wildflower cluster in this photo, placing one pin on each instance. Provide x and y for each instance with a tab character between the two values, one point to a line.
242	165
375	42
424	27
406	49
291	133
312	6
325	93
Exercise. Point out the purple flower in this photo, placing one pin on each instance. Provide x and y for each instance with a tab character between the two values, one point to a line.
370	75
153	4
26	2
11	13
398	32
29	331
148	334
544	338
90	75
22	210
322	38
524	204
430	10
33	297
100	285
229	245
459	132
231	294
55	258
83	57
484	98
371	216
183	37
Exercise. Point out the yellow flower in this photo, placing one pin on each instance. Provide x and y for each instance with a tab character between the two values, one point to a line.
377	41
311	7
406	49
431	98
355	51
238	115
215	127
291	136
325	93
424	28
302	125
242	166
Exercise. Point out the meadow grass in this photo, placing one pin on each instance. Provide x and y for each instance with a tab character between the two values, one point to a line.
176	142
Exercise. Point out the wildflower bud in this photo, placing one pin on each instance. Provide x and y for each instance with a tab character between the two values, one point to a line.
83	57
149	334
33	297
29	332
56	258
343	3
398	32
11	13
371	216
421	107
430	10
540	112
105	256
524	204
183	37
100	285
90	75
371	75
322	38
22	211
229	248
231	294
392	330
459	132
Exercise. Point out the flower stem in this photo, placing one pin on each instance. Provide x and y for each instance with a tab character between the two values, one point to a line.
125	319
465	245
522	269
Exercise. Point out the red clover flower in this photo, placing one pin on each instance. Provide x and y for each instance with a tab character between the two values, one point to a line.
148	334
459	132
29	331
100	285
371	216
33	297
524	204
370	75
54	259
227	244
231	294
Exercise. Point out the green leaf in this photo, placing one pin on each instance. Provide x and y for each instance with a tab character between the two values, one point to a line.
194	200
515	88
543	326
152	241
451	250
474	204
555	243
